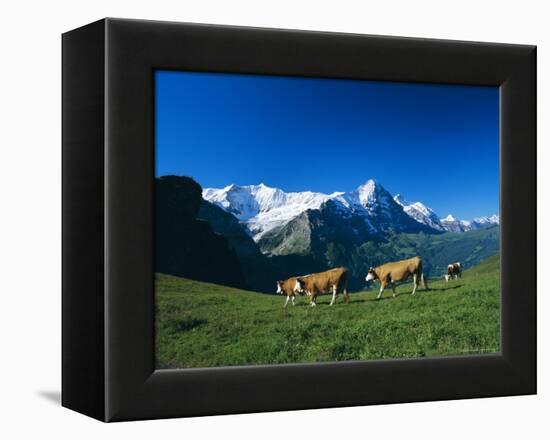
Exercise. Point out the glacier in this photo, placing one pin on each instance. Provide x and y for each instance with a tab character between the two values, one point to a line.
262	208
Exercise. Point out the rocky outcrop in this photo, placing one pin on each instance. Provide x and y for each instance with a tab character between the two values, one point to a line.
186	245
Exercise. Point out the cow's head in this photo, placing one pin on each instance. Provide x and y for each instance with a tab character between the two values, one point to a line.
299	287
280	287
371	275
447	277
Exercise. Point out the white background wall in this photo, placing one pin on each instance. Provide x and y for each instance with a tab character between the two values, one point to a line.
30	234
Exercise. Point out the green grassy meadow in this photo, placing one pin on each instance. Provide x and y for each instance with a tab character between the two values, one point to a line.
207	325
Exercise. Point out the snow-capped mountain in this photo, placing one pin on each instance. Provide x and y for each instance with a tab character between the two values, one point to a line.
486	221
481	222
262	208
425	215
382	213
453	224
420	212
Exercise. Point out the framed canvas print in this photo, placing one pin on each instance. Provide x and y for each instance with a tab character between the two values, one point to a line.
261	220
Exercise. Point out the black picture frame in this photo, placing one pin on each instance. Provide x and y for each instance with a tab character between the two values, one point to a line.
108	262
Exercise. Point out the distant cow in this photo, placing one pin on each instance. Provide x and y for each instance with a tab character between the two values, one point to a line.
287	287
390	273
333	281
454	271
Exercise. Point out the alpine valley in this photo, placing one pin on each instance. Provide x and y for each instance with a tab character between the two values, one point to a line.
276	234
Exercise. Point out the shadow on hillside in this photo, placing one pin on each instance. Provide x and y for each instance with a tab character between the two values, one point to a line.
389	295
190	324
443	289
384	298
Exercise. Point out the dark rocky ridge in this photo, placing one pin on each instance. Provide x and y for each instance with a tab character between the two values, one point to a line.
187	246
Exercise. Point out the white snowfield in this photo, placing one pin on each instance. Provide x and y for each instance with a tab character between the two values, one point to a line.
420	212
262	208
450	223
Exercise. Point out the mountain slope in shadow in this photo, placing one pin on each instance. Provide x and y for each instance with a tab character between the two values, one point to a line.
185	245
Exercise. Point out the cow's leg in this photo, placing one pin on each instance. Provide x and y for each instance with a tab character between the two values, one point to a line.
286	302
424	282
333	294
415	283
382	285
293	298
393	287
346	296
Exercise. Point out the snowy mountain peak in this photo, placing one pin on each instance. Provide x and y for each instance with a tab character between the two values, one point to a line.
493	219
369	185
367	192
371	195
262	208
372	201
400	200
420	212
233	198
453	224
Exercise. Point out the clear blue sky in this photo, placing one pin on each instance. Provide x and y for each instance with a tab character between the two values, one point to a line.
438	144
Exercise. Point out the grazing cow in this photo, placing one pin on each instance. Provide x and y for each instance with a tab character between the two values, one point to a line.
454	270
287	287
390	273
333	281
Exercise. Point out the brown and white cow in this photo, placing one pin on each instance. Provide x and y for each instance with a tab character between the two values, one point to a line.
287	287
454	271
333	281
390	273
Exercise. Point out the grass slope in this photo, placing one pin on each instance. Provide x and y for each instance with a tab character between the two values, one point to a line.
470	248
206	325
